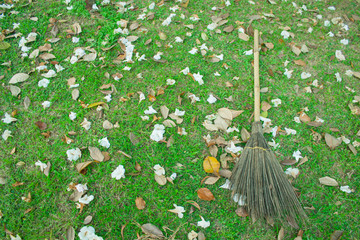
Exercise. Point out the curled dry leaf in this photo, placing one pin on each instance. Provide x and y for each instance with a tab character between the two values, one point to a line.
331	141
47	169
328	181
160	179
225	113
140	203
205	194
304	117
19	77
41	125
81	167
211	165
77	28
96	154
244	36
152	230
195	204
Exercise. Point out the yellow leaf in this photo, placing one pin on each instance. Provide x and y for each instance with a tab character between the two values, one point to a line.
211	165
95	104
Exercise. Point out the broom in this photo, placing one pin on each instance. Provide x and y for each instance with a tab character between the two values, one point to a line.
258	181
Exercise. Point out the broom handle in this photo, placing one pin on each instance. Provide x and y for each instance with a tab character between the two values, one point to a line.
256	77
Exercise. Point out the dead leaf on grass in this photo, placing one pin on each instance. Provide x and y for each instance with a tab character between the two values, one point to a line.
81	167
160	179
331	141
70	233
152	230
211	180
328	181
205	194
140	203
241	212
41	125
211	165
18	78
96	154
88	219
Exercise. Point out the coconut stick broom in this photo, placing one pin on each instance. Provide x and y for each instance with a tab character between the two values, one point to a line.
258	181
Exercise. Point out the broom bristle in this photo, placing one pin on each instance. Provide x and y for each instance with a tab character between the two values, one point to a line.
259	180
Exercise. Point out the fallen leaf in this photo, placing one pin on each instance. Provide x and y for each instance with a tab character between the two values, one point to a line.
336	235
27	102
288	162
241	212
107	125
225	113
245	135
75	94
41	125
81	167
47	169
328	181
205	194
229	29
356	74
95	104
19	77
244	36
302	161
184	3
304	118
300	63
88	219
70	233
211	180
211	165
47	56
331	141
140	203
169	123
281	234
164	111
195	204
77	28
160	179
15	91
3	180
152	230
226	173
16	184
96	154
4	45
269	45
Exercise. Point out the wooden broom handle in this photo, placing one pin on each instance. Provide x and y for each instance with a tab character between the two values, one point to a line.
256	77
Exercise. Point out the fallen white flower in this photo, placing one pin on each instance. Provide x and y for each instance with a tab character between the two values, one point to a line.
232	129
194	98
330	34
294	172
339	55
86	199
179	210
250	52
344	41
211	99
104	142
173	176
8	119
274	131
181	131
327	23
290	131
51	73
274	144
152	6
185	71
193	50
108	97
233	148
72	116
73	154
338	77
150	110
86	124
305	75
288	73
170	81
144	118
158	132
59	68
239	199
217	74
198	77
94	7
356	144
297	155
41	165
203	223
87	233
118	173
75	39
159	170
43	83
297	119
319	119
349	73
157	56
178	39
127	68
6	134
179	113
226	185
46	104
276	102
332	8
346	189
81	187
285	34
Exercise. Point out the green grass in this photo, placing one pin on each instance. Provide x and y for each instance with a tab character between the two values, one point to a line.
52	213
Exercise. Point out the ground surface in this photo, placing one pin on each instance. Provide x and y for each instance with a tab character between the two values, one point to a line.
50	212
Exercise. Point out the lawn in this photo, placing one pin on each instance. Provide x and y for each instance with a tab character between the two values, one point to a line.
107	113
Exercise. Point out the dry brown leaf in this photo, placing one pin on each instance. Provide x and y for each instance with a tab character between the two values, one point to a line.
77	28
19	77
81	167
295	50
244	36
205	194
140	203
96	154
210	126
160	179
41	125
47	56
245	135
226	173
269	45
265	106
195	204
47	169
241	212
88	219
213	149
225	113
356	74
302	161
288	162
328	181
169	123
236	113
229	29
137	166
46	47
336	235
331	141
75	94
222	123
211	180
304	118
184	4
300	63
90	57
164	111
152	231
